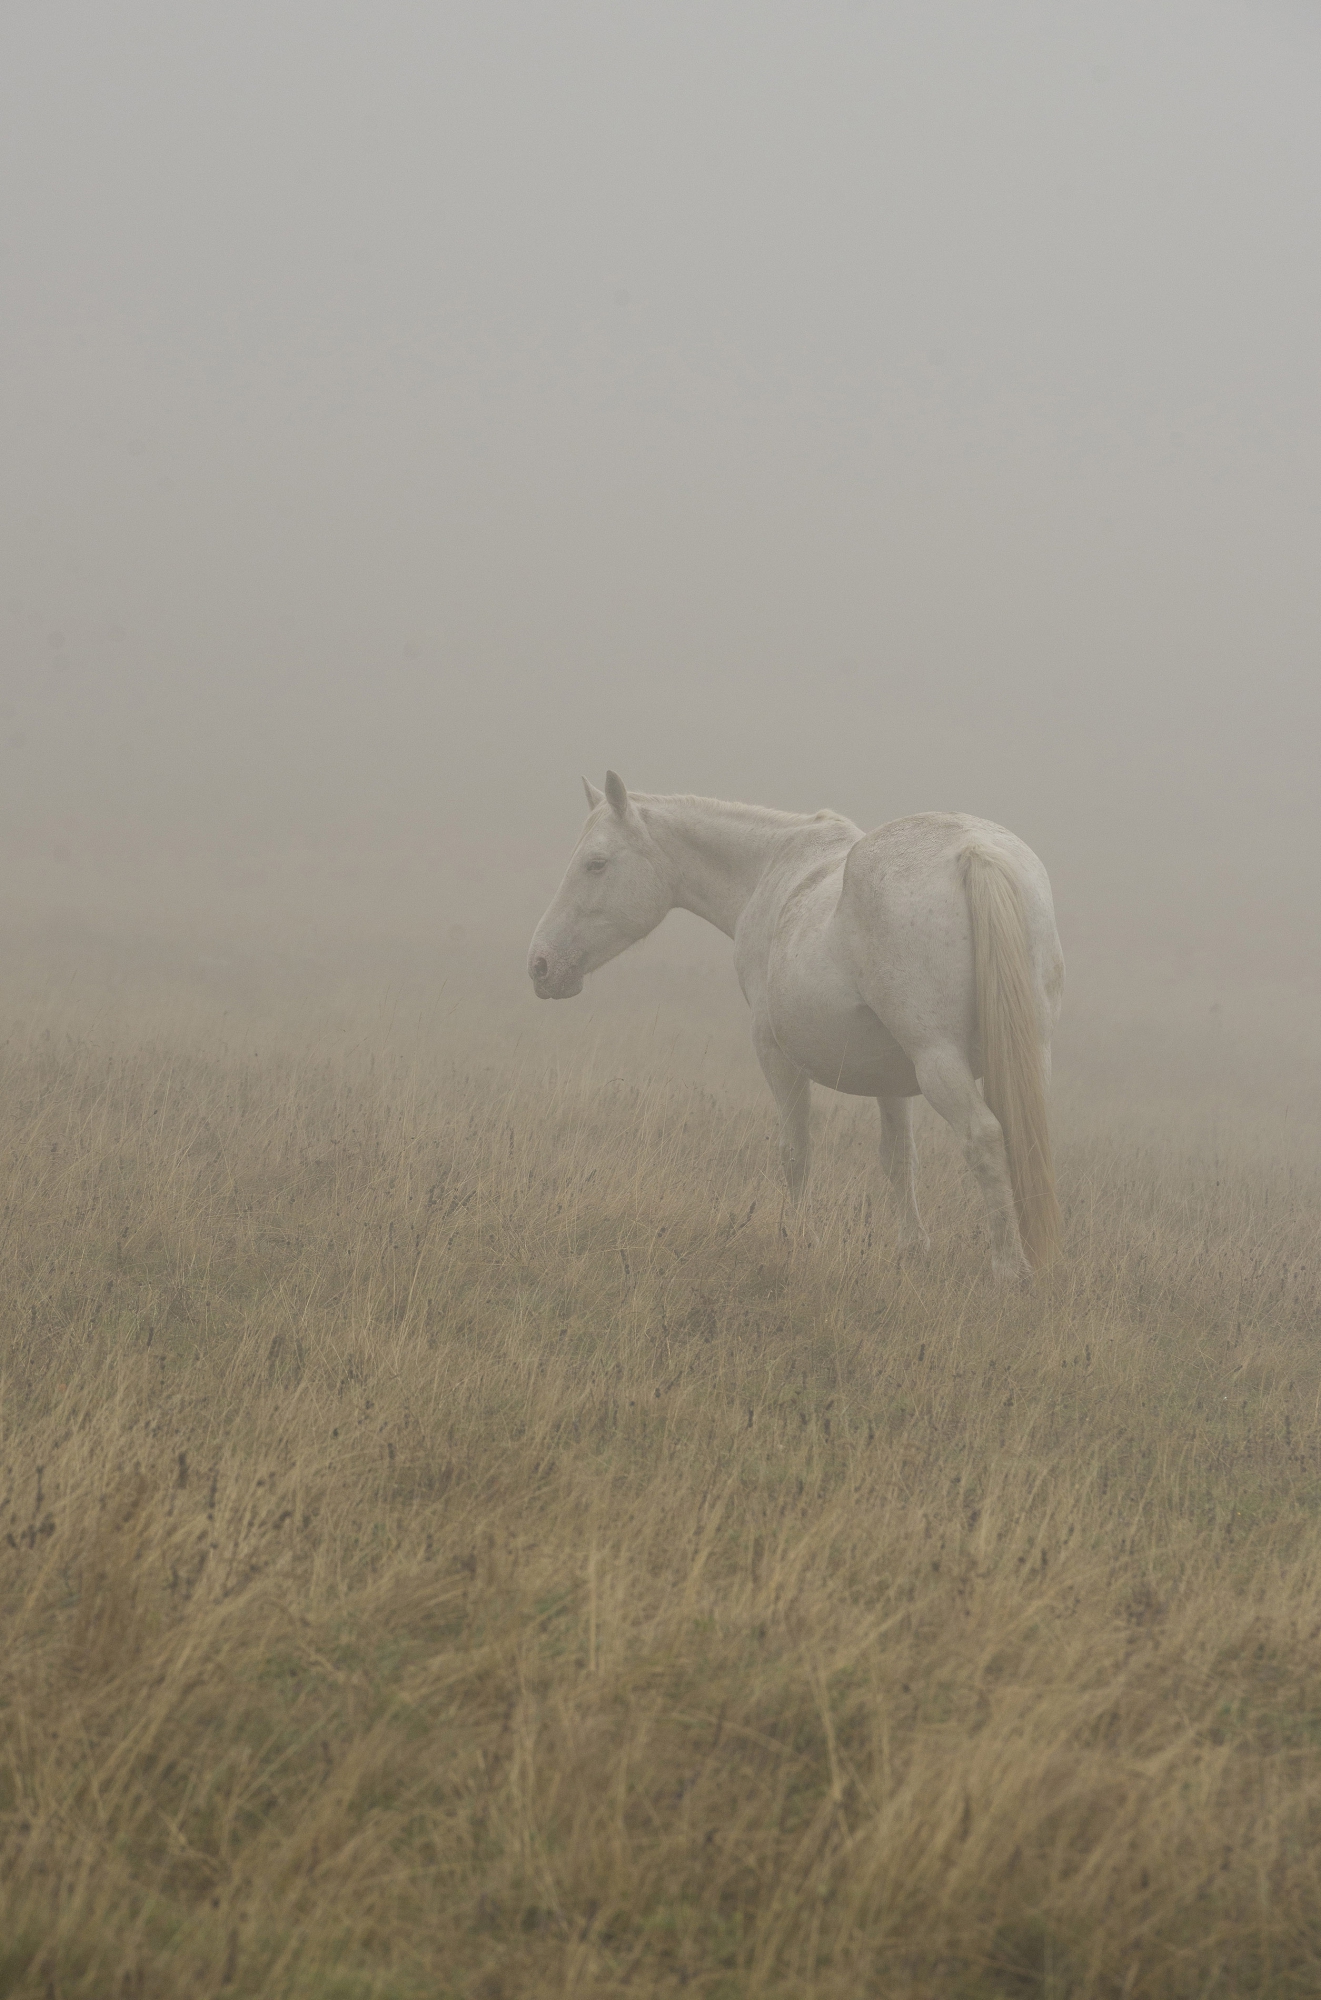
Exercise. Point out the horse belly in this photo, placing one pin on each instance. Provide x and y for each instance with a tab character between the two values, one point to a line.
821	1025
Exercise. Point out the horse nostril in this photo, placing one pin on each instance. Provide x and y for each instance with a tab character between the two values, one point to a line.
540	969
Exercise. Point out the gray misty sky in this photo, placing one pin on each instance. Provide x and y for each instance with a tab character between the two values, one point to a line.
408	407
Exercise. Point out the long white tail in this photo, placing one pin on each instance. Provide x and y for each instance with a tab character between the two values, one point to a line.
1013	1078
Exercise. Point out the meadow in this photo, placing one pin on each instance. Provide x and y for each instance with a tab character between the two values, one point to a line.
459	1536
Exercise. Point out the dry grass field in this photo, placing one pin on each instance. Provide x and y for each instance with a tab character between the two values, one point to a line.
457	1539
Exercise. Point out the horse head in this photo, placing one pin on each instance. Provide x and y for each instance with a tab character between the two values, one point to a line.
614	891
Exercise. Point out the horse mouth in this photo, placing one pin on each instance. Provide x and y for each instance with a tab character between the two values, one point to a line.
548	985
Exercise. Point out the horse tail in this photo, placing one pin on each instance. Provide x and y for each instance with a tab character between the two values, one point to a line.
1013	1070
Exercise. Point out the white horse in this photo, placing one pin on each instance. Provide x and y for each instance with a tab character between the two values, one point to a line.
912	960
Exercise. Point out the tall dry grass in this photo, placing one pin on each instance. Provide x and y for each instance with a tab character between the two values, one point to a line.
456	1540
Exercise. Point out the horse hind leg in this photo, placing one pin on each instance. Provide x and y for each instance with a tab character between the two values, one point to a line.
948	1084
899	1159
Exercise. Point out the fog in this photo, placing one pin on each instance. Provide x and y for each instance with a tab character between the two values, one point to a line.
890	406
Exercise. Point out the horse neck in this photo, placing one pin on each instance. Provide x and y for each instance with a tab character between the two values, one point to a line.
717	852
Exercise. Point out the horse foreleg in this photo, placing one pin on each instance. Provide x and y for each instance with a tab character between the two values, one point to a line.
899	1159
792	1090
948	1084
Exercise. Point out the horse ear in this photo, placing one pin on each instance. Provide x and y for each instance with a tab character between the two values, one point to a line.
594	797
616	793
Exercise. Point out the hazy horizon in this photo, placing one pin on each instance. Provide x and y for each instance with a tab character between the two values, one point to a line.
883	407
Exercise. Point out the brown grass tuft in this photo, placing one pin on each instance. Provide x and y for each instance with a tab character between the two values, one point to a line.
458	1538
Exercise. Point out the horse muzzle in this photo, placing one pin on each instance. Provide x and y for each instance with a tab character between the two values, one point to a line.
552	978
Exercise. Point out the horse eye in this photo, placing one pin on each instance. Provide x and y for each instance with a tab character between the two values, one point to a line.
596	864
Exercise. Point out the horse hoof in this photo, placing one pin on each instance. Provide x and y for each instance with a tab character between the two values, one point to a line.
1013	1277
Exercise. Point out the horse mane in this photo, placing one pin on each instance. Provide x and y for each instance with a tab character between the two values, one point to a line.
760	815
